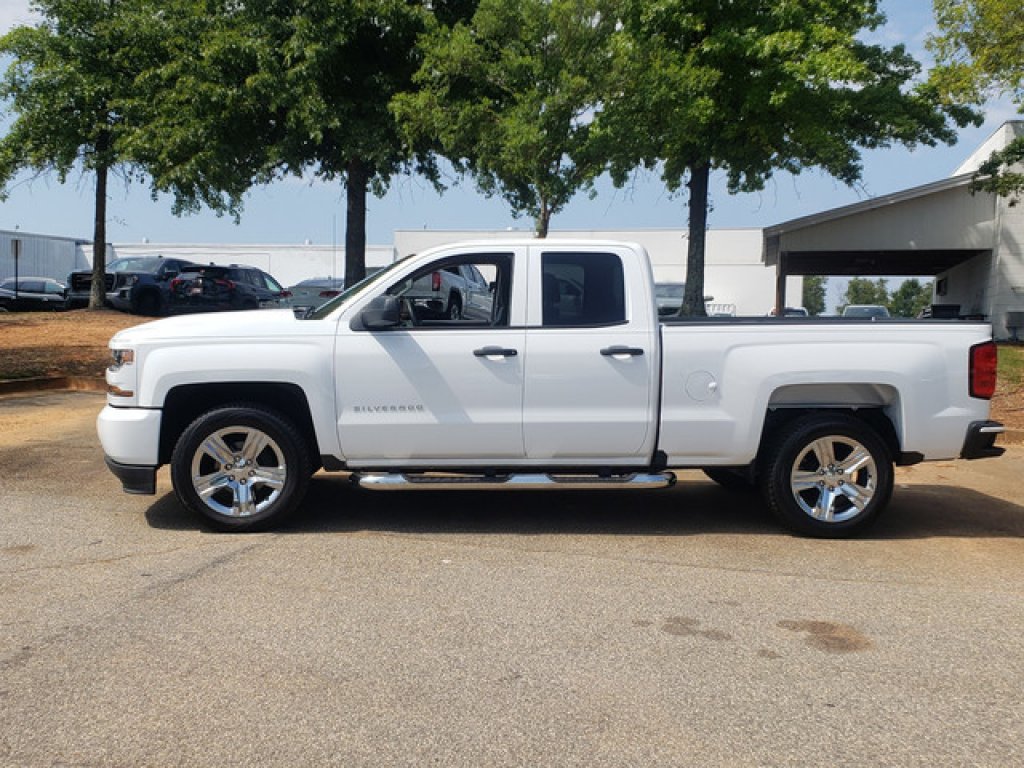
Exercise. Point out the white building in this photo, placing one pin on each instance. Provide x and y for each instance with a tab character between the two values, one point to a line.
972	243
32	255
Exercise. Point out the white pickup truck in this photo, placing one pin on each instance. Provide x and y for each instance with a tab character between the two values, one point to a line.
571	382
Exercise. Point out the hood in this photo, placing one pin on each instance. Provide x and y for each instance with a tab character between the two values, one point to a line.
257	323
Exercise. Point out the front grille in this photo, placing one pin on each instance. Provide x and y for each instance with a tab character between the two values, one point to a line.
83	283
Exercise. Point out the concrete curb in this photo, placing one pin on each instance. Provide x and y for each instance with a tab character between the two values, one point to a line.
47	383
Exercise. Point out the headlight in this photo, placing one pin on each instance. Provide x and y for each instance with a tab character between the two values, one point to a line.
131	280
122	357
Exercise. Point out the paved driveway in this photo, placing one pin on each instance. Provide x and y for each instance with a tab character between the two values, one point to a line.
671	628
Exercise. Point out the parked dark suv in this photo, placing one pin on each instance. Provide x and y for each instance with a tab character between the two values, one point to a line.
139	284
212	287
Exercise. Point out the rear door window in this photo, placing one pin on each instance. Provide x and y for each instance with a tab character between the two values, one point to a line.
582	289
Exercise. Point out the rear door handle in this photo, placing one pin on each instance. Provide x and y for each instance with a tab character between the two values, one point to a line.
495	352
617	350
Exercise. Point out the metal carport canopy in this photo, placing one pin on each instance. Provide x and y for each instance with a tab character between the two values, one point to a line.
921	231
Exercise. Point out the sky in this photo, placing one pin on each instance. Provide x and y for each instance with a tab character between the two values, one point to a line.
297	211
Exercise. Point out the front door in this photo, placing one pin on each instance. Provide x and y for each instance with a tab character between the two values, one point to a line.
436	391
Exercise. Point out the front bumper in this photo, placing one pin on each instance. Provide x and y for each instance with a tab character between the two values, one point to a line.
134	479
121	300
980	440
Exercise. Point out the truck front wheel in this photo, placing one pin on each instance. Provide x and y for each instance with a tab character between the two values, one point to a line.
241	467
827	475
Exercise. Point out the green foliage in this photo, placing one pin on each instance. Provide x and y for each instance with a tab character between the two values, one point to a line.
508	98
814	294
910	298
69	85
754	87
979	53
862	290
252	91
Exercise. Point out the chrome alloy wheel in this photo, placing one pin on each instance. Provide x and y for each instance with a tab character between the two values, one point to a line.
834	479
238	471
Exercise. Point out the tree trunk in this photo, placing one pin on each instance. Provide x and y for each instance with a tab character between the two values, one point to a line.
355	222
693	298
543	220
98	290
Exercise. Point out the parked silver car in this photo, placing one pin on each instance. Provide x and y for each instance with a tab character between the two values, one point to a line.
311	293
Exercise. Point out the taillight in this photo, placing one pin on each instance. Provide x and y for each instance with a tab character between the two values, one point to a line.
175	283
286	294
435	281
328	294
983	370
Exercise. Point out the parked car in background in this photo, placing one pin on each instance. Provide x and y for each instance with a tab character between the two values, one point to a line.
32	293
311	293
865	310
138	284
790	312
211	288
669	297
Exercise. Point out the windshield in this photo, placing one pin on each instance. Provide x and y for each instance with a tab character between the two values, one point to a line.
328	307
134	264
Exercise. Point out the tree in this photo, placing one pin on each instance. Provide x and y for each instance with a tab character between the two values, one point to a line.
755	87
978	54
814	294
208	123
509	98
910	298
265	88
862	290
67	85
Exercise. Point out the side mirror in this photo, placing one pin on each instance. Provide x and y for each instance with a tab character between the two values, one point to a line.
382	314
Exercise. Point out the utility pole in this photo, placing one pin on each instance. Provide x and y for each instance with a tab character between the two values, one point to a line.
16	253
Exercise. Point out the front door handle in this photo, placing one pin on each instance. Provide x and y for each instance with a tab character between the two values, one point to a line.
495	352
617	350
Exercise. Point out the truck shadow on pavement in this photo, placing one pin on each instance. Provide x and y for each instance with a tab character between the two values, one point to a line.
333	505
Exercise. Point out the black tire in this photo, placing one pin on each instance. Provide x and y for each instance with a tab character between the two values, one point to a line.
826	475
454	311
736	480
149	304
252	464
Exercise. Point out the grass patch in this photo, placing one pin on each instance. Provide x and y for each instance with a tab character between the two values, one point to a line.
1011	367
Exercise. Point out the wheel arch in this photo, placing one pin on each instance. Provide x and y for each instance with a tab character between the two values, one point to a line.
876	417
146	294
185	403
879	405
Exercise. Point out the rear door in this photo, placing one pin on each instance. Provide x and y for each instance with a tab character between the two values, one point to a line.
591	385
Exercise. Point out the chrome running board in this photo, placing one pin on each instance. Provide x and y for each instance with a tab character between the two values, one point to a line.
385	481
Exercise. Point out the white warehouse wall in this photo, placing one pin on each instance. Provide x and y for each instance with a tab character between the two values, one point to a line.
41	256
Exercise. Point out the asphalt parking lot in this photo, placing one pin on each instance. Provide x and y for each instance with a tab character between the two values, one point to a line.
669	628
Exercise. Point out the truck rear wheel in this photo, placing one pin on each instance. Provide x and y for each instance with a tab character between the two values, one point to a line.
241	467
827	475
454	308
